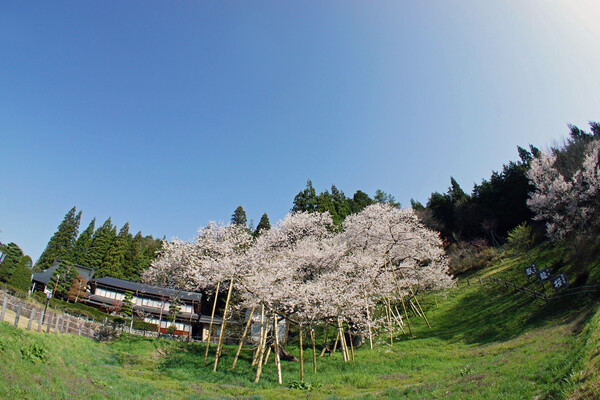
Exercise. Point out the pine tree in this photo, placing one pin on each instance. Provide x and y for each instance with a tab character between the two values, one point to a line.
21	277
263	225
113	261
239	216
101	242
62	242
13	254
133	262
360	200
306	200
83	243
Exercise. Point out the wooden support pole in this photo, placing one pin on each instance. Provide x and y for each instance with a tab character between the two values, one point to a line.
260	338
267	356
343	346
277	357
222	335
301	355
388	311
435	298
261	352
406	316
212	317
237	354
337	337
326	334
351	343
370	330
312	339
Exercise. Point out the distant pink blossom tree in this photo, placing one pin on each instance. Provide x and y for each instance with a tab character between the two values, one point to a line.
567	206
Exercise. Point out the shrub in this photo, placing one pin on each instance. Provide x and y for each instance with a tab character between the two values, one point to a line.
470	256
105	333
520	238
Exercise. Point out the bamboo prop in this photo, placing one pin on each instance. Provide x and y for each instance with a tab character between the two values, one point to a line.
337	337
369	327
312	339
419	304
261	351
212	317
325	334
406	316
267	356
399	320
301	356
237	354
262	328
222	335
342	340
414	309
388	312
277	357
351	343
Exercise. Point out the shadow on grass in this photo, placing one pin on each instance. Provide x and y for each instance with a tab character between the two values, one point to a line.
491	313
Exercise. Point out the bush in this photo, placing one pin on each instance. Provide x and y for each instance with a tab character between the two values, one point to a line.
471	256
144	326
520	238
105	333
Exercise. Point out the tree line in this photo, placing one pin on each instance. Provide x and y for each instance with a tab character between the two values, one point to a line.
120	255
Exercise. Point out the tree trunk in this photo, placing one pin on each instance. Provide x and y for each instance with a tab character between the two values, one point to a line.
277	358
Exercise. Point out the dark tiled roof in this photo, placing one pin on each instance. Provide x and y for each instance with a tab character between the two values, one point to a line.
148	289
86	273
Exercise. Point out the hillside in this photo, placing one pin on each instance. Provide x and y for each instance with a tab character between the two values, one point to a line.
486	341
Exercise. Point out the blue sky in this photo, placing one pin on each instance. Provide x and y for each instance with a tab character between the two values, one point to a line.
171	114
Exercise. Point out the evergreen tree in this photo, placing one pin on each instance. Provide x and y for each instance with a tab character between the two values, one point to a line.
385	198
62	242
101	242
359	201
113	262
134	260
62	280
239	216
83	243
13	255
340	204
263	225
21	276
306	200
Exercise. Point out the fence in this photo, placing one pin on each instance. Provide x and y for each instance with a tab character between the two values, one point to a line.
542	295
28	316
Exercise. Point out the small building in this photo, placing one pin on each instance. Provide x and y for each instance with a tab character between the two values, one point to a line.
41	279
149	303
152	304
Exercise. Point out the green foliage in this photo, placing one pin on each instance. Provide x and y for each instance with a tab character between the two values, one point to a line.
101	242
62	243
174	310
469	257
83	243
144	326
385	198
171	329
21	276
13	256
127	307
520	238
239	216
62	280
113	261
301	385
263	225
34	353
306	200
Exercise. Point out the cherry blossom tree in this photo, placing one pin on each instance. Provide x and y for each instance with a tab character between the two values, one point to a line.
567	206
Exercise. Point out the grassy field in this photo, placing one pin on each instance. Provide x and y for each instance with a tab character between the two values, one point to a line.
486	342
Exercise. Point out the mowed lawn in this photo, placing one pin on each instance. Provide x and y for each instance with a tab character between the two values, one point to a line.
486	342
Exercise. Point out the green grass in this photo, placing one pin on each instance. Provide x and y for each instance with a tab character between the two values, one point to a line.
486	342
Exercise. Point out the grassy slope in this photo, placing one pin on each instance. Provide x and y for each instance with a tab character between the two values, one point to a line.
486	342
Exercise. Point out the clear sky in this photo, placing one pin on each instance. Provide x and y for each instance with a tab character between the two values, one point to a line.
171	114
